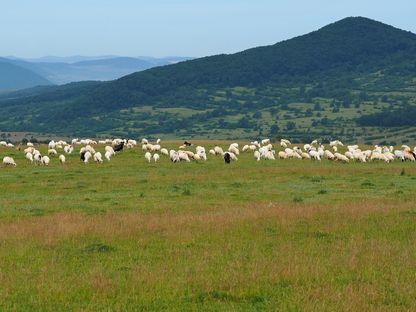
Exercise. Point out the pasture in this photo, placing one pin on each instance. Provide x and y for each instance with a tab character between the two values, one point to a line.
269	235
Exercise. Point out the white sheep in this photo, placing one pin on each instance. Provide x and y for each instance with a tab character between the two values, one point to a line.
156	157
29	157
108	155
98	158
45	160
87	157
148	156
62	159
9	161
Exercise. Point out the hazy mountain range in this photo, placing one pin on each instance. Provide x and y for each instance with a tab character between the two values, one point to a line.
353	79
16	73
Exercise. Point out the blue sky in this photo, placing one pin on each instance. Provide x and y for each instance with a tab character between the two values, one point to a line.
33	28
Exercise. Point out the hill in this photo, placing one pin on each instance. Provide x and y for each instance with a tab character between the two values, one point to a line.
14	77
318	84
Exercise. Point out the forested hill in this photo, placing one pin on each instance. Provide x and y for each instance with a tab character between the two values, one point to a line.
316	84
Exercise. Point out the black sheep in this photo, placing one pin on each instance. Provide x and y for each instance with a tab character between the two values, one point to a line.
227	158
186	143
82	156
119	147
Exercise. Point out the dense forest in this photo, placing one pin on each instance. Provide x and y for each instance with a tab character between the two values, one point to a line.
346	79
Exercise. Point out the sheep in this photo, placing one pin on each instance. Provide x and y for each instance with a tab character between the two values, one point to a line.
227	157
245	148
145	141
87	157
269	155
341	157
174	156
68	149
156	157
164	151
257	155
51	144
9	161
110	150
265	141
37	157
148	156
158	141
218	150
29	157
119	147
98	158
282	155
52	151
62	159
234	150
183	156
108	155
305	155
45	160
30	150
328	155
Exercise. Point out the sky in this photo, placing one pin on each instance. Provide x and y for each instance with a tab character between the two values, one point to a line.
34	28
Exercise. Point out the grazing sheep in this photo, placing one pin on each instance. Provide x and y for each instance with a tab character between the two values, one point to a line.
45	160
227	157
234	150
108	155
87	157
52	151
9	161
68	149
148	156
218	150
110	150
156	157
164	151
29	157
98	158
212	152
282	155
183	156
62	159
119	147
341	157
328	155
257	155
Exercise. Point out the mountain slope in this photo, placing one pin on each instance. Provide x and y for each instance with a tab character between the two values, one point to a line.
14	77
316	84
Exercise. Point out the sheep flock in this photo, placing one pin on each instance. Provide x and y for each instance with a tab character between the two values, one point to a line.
263	150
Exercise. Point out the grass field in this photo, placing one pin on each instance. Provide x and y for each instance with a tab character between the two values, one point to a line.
276	235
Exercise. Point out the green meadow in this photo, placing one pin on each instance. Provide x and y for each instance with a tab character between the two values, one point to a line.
127	235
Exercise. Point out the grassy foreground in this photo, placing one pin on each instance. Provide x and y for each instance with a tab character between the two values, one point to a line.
127	235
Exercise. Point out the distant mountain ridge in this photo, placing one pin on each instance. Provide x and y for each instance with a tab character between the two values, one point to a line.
317	84
61	70
14	77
